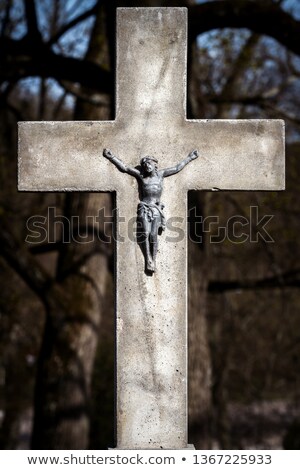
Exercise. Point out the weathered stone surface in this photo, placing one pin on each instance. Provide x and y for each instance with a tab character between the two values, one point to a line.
234	154
151	119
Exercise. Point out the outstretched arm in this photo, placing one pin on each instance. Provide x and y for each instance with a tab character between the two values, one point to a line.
175	169
119	164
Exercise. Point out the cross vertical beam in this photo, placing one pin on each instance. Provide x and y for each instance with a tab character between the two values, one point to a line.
151	310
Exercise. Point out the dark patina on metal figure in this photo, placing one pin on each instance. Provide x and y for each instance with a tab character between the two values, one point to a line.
150	216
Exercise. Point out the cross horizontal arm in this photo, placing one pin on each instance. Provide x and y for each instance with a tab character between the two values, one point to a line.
65	156
234	154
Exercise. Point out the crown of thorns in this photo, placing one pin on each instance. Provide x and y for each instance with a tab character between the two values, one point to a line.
152	159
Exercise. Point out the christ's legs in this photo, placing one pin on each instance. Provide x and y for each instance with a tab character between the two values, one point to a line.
153	239
143	238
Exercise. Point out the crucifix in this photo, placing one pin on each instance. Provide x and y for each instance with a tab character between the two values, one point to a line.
151	308
151	219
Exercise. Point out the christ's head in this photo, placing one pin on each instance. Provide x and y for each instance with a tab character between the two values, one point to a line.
149	164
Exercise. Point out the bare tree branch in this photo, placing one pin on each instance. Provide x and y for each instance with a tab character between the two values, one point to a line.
263	17
23	263
59	105
256	101
78	93
289	279
280	113
237	70
273	264
17	113
19	60
71	25
31	18
6	17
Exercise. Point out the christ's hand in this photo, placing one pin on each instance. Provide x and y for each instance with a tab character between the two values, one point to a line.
193	155
107	154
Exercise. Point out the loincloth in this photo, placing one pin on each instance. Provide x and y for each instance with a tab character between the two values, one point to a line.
150	212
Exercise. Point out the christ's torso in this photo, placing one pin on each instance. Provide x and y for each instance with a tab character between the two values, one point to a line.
151	188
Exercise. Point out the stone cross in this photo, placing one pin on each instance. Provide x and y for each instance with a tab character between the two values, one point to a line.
151	311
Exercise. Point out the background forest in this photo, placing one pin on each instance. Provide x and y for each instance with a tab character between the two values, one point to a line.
57	60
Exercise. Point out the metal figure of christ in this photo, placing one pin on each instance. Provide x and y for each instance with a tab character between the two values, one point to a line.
150	216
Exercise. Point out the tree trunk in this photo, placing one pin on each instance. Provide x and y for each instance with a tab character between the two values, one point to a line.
75	306
199	353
